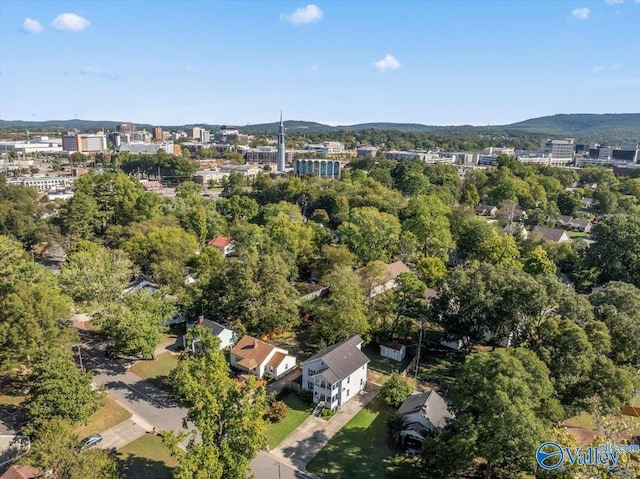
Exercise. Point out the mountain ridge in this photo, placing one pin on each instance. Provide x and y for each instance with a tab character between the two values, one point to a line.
615	127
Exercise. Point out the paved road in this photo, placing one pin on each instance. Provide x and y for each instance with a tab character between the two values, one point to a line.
156	409
140	397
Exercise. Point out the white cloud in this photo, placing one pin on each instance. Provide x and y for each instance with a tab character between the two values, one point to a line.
387	63
580	13
308	14
70	21
601	68
92	71
188	67
614	2
313	68
31	26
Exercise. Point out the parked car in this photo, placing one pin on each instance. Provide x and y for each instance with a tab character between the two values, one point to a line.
90	441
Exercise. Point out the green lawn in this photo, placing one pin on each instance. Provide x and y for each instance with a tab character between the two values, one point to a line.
437	362
146	457
577	234
584	419
157	368
383	365
360	449
9	400
296	415
104	418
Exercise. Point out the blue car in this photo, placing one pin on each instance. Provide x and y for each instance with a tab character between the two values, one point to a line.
90	441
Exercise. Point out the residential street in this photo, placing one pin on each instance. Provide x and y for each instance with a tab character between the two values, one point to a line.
152	407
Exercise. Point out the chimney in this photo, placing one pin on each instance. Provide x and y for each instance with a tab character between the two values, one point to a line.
200	319
255	344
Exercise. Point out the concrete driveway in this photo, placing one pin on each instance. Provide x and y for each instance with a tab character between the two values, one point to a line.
121	435
305	442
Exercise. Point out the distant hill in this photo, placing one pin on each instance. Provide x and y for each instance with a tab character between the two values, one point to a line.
607	128
623	126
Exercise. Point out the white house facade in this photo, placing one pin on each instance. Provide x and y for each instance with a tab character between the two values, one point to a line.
337	373
256	357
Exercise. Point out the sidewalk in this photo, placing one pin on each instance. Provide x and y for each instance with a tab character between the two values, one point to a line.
121	434
305	442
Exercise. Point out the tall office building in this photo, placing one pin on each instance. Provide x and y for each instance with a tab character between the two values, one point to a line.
126	127
84	142
281	155
158	134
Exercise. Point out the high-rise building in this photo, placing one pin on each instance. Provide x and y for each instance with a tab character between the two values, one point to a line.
158	134
205	136
193	133
281	153
84	142
561	151
126	127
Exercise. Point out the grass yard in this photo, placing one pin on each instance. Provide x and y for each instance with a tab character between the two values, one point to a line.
10	400
584	419
577	234
384	365
438	363
359	449
146	457
297	413
104	418
157	370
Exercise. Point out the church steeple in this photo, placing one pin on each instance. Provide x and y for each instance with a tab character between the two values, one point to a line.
281	156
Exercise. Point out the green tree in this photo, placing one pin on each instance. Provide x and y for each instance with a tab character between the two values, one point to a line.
237	207
161	244
431	271
229	415
395	390
20	211
537	262
498	249
342	314
80	217
616	251
568	203
33	312
135	323
506	398
55	449
426	219
618	306
92	273
59	390
371	234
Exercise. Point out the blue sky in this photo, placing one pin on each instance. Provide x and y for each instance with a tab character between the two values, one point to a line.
432	62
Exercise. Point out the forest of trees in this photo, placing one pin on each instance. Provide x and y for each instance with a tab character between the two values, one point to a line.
573	349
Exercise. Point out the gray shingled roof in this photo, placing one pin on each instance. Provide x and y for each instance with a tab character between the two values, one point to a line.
430	404
342	358
550	234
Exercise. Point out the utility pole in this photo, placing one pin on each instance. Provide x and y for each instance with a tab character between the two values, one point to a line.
80	357
415	377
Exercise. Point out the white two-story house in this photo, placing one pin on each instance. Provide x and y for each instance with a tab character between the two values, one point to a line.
337	373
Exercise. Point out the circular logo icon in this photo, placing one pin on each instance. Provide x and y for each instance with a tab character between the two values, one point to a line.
549	456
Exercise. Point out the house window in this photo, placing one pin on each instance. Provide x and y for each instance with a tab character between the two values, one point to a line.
347	392
312	372
348	379
310	385
361	381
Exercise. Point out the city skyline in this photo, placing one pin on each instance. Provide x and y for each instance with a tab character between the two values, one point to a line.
436	63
